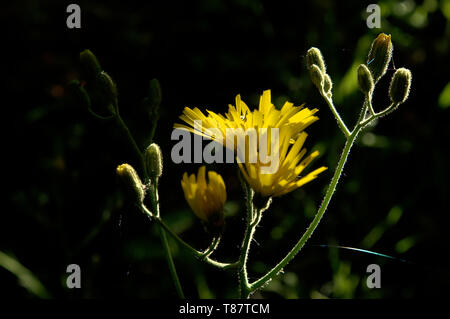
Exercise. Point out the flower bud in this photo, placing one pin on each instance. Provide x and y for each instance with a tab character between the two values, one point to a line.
400	85
316	76
314	56
155	93
206	197
107	86
132	181
327	83
90	65
153	160
379	56
365	79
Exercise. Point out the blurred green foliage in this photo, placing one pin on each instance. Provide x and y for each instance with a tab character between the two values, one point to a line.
66	205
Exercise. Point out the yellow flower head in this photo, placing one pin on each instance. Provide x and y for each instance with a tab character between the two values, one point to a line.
292	162
285	146
206	198
214	126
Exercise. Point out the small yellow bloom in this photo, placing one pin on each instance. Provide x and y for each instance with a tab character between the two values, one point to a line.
291	165
206	198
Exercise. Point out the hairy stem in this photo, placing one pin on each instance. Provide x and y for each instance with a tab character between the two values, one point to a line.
253	218
154	200
309	231
200	255
155	207
369	103
131	140
214	244
338	118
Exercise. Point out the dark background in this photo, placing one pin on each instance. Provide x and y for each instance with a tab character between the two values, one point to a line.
65	205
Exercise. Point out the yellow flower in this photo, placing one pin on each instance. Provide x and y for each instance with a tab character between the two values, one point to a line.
291	164
206	198
214	125
287	151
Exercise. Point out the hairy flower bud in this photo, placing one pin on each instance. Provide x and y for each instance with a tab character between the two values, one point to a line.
154	93
153	160
316	76
132	181
365	79
107	86
206	197
400	85
314	56
327	83
90	65
379	56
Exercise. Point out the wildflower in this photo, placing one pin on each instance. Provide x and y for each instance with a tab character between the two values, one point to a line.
289	123
214	126
291	165
131	180
206	198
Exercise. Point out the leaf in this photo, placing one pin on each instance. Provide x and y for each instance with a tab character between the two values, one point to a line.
444	97
26	278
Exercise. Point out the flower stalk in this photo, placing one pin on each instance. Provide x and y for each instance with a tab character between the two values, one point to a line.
244	285
204	256
309	231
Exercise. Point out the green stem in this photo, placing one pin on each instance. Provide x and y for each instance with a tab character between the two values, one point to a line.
309	231
173	270
338	118
201	255
386	111
363	112
369	101
253	218
154	200
214	244
245	288
132	141
155	207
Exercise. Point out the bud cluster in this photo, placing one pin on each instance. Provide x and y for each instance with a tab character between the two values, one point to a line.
318	72
368	75
378	60
99	85
131	179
